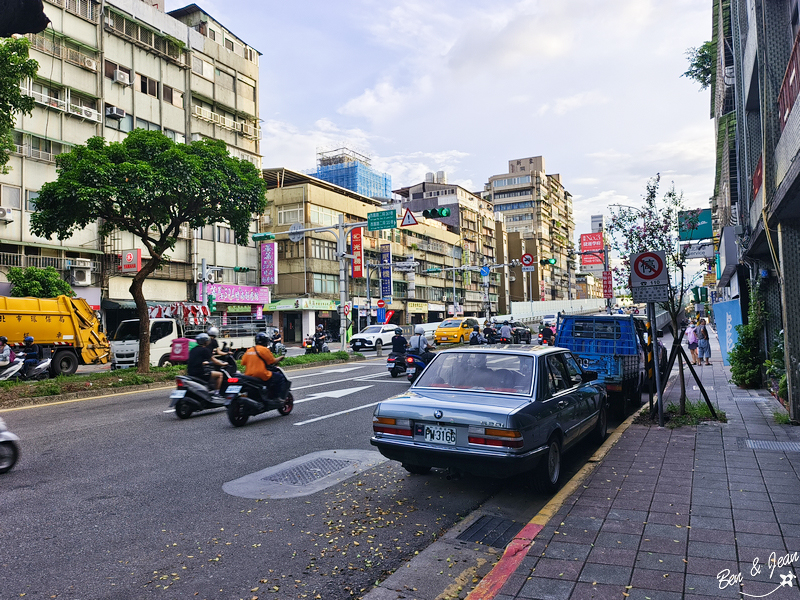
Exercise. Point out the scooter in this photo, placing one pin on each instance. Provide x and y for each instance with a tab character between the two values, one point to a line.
193	395
414	366
277	349
311	347
16	370
247	397
396	364
9	449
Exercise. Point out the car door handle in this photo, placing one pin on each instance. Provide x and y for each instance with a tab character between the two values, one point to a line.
562	403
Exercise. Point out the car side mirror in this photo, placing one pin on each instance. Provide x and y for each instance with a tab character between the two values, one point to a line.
589	376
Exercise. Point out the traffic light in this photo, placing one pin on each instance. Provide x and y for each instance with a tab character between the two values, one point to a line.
696	294
703	294
260	237
242	269
211	302
547	262
436	213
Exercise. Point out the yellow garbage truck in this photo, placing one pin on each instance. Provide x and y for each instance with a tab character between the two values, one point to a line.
66	330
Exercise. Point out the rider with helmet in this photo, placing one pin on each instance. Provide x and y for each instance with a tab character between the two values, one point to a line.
506	332
489	332
319	339
201	361
257	361
213	345
399	343
420	346
31	353
276	339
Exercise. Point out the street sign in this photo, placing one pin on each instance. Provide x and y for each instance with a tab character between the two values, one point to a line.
381	315
408	265
649	269
526	260
131	261
383	219
294	234
381	303
698	250
408	219
485	271
608	285
530	269
346	309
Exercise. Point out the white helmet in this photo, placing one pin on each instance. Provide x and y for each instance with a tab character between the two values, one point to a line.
419	330
213	331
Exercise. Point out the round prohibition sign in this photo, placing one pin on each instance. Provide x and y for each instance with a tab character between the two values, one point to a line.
526	260
648	266
346	309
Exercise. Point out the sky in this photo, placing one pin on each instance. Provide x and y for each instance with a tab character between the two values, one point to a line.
464	86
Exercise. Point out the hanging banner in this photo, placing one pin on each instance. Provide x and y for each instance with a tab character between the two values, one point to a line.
608	285
386	272
592	242
357	250
695	224
269	263
727	315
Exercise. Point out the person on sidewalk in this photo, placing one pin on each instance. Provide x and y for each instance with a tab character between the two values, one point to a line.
691	338
703	345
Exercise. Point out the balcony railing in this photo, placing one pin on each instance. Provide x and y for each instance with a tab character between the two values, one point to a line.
246	129
791	84
88	9
54	48
84	112
8	259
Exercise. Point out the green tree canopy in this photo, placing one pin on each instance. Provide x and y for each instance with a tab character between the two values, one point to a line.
149	186
36	282
701	63
14	67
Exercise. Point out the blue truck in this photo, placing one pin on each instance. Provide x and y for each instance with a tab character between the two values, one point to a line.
615	347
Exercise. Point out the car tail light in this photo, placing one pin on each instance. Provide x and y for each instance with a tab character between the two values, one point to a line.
393	426
233	380
504	438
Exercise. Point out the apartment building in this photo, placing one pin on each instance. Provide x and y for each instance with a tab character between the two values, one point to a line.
537	206
105	69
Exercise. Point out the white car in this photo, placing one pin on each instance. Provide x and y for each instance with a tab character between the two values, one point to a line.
373	337
549	320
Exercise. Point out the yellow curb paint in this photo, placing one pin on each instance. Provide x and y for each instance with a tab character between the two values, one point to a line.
4	410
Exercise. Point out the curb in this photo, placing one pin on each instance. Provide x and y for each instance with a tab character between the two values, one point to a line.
517	550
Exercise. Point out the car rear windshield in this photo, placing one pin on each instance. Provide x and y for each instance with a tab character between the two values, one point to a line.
450	323
493	372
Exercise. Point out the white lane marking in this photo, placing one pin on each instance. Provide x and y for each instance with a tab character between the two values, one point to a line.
169	410
333	393
336	414
359	378
344	370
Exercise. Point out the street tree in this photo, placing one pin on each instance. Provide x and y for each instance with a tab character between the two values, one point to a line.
701	64
149	186
36	282
15	66
653	227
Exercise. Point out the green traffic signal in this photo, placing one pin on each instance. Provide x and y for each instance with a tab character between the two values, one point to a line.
696	294
260	237
211	302
241	269
703	294
545	262
436	213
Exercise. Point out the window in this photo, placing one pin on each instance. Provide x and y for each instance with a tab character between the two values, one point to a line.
224	234
323	249
110	67
160	330
142	124
202	68
558	374
319	215
175	136
287	249
326	284
247	90
124	124
147	85
224	79
172	96
229	44
574	370
290	213
11	196
30	200
511	181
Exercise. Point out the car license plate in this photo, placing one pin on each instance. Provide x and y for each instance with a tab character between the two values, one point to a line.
233	389
178	394
440	435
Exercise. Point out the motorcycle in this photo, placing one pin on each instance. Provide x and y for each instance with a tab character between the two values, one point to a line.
414	366
396	364
311	347
277	349
9	449
193	395
16	370
247	397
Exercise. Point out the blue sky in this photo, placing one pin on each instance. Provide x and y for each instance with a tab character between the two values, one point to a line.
465	85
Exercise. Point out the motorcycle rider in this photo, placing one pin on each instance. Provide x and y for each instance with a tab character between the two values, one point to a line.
257	361
275	340
399	343
547	335
489	332
505	331
319	339
31	353
475	338
420	345
201	360
5	351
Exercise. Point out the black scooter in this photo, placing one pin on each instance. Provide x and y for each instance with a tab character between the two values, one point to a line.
396	364
247	397
193	395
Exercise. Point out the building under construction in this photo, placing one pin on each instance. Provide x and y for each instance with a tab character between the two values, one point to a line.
350	169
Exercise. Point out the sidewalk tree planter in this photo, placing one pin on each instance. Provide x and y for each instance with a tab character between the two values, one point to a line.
746	357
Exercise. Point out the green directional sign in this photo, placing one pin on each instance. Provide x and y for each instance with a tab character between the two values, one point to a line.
384	219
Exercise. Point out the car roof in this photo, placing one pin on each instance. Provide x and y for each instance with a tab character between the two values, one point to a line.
523	349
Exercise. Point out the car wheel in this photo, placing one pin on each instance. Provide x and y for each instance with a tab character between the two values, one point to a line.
164	361
288	405
395	373
549	469
601	429
416	469
64	363
461	340
183	409
236	415
238	355
378	346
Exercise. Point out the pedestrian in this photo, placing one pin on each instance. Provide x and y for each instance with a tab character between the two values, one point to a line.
691	337
703	344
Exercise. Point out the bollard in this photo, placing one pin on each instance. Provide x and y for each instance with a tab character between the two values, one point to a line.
378	349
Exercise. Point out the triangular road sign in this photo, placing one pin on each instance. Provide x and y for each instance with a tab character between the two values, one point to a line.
408	219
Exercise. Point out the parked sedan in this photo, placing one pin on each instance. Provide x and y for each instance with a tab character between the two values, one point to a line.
493	412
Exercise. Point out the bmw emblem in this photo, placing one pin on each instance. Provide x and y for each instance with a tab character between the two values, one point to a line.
437	414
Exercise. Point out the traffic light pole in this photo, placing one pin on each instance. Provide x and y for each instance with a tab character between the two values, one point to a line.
371	266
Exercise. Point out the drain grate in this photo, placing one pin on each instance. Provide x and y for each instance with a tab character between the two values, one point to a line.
491	531
308	472
772	445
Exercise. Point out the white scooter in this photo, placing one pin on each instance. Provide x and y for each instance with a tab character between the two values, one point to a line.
9	450
16	370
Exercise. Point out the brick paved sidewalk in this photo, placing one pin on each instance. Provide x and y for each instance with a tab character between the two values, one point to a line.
667	510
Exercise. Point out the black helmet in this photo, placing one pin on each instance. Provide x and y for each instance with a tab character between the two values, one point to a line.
505	322
202	339
398	331
262	339
3	339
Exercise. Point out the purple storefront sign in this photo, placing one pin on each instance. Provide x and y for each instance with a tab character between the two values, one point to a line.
238	294
269	263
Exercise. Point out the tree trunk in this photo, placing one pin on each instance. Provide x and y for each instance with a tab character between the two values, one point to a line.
141	310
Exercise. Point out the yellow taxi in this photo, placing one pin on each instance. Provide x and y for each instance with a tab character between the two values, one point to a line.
455	331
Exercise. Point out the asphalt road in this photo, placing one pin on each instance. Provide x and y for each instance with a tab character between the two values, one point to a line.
115	498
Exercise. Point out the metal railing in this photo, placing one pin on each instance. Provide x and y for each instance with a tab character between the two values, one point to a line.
9	259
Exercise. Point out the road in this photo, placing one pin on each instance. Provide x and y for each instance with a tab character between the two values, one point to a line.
116	498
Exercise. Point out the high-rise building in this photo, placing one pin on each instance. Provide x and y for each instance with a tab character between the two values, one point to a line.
352	170
105	69
537	206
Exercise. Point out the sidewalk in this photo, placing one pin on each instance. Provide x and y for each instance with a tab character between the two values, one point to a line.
666	511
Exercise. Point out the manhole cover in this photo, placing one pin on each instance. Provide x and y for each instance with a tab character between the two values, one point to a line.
491	531
771	445
308	472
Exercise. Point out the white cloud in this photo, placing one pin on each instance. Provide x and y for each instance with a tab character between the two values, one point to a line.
562	106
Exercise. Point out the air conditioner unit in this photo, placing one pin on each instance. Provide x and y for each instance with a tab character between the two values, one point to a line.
88	113
122	77
81	277
90	63
113	112
80	263
6	215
